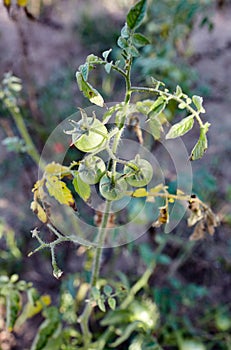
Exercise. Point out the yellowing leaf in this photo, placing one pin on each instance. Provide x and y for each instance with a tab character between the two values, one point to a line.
156	189
140	192
32	310
22	3
56	168
7	2
39	211
58	189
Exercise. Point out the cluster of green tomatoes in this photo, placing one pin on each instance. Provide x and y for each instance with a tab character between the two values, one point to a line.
90	135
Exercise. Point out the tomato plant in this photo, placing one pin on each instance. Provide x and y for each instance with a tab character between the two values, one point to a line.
103	169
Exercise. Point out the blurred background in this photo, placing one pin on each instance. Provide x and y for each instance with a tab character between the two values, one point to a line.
43	44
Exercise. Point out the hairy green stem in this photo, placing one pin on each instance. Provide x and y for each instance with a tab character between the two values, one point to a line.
84	318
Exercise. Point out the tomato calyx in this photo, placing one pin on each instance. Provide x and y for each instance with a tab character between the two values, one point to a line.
112	186
138	172
91	169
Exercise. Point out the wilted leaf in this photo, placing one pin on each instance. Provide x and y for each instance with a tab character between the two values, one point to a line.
39	211
162	218
202	144
212	221
199	231
196	212
88	91
181	128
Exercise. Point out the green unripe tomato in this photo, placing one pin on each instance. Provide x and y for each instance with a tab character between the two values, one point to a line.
94	137
91	170
112	189
139	175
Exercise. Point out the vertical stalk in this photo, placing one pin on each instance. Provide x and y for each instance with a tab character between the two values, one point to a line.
85	316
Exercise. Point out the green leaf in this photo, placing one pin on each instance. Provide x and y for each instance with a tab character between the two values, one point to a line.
181	128
108	66
125	32
107	290
202	144
144	106
107	115
122	43
178	92
95	293
126	334
131	50
84	70
116	318
112	303
157	107
46	329
13	306
58	189
105	54
136	14
83	189
101	305
93	59
198	101
140	40
88	91
155	127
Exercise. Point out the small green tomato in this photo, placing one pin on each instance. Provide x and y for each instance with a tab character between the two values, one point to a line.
112	188
94	138
140	172
91	170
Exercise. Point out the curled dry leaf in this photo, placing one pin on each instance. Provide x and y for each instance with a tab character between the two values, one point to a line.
199	231
162	218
